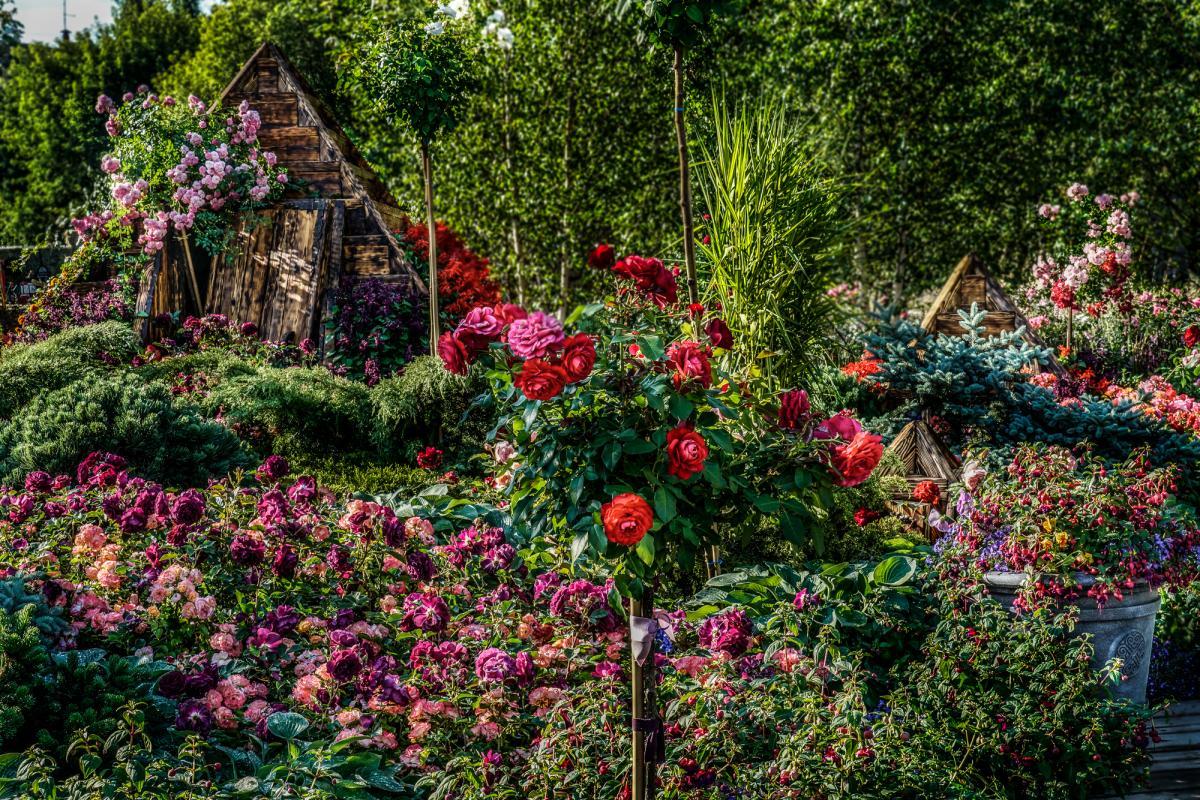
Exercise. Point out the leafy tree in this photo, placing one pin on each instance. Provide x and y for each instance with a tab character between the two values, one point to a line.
51	139
10	31
951	123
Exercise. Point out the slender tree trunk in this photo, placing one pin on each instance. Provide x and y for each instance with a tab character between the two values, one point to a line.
685	186
515	202
434	323
645	708
564	267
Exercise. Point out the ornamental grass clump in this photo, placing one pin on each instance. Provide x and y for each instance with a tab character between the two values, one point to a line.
1078	525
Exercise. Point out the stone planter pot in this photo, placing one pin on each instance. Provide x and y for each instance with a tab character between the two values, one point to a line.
1121	629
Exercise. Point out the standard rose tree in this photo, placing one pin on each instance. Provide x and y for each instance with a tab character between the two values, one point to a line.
626	436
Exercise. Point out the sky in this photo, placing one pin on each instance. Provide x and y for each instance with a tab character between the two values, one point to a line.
43	18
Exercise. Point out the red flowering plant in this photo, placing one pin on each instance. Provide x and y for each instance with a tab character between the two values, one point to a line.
628	438
1077	525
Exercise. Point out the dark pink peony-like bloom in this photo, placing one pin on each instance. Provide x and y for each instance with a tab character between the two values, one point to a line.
535	336
494	665
424	611
840	426
728	632
188	507
794	409
275	468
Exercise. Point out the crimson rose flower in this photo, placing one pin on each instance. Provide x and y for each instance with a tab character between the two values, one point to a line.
719	333
626	519
578	357
690	360
540	380
794	409
1191	336
651	277
686	452
454	354
854	461
603	257
839	426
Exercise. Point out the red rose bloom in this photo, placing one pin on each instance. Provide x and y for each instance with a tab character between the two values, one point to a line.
864	516
1191	336
719	333
429	458
927	492
626	519
540	380
690	360
686	452
854	461
603	257
578	356
651	278
794	409
454	354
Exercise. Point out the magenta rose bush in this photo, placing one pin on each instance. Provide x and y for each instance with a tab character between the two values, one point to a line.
625	437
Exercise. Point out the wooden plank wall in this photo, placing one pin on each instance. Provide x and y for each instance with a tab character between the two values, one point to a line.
278	278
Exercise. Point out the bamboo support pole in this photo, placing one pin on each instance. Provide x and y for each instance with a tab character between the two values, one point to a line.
685	186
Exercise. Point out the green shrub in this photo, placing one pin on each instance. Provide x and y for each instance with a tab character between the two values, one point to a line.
293	411
426	404
15	596
61	359
216	365
23	660
163	439
1008	706
364	474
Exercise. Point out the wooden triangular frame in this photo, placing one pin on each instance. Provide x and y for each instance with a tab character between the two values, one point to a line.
362	183
924	456
969	282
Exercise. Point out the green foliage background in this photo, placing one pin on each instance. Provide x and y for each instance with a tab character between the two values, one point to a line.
945	121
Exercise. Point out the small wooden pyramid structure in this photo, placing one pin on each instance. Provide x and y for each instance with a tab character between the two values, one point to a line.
923	457
335	221
969	283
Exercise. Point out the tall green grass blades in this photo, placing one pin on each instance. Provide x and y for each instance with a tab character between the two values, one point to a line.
768	240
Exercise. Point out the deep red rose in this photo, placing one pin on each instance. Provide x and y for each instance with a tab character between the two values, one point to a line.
603	257
927	492
429	458
686	452
854	461
794	409
454	353
540	380
865	515
627	518
1191	336
690	361
651	277
578	356
719	333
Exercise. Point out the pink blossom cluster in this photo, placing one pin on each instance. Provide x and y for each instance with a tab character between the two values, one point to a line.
220	167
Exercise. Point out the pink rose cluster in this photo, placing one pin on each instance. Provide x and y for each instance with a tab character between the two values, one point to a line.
220	166
546	359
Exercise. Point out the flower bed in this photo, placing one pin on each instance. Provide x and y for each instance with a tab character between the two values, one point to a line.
423	647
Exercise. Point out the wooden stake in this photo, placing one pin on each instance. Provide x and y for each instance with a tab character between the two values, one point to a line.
1070	328
191	269
434	322
645	770
685	186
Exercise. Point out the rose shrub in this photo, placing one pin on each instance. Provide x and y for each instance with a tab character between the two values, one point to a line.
628	438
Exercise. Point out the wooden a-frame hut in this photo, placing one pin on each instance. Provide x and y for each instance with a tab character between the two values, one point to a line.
335	221
971	283
923	457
